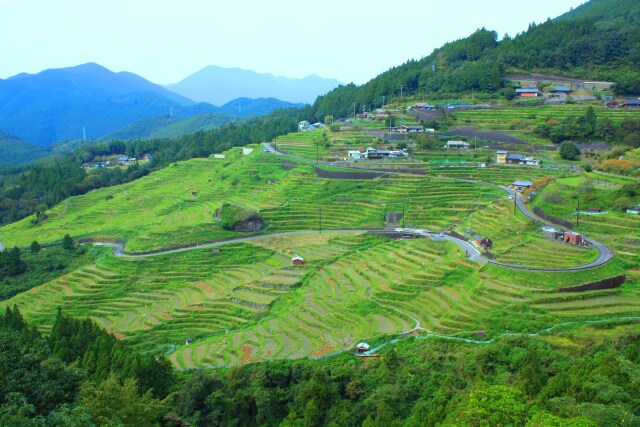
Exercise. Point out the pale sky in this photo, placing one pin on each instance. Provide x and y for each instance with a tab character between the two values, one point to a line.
166	41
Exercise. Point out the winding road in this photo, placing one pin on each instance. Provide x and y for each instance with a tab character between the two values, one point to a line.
604	253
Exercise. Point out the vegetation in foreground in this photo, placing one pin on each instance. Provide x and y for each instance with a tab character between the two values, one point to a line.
81	376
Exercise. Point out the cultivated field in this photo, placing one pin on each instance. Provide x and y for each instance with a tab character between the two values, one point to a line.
246	302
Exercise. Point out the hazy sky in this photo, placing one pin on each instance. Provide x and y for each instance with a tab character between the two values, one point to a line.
165	41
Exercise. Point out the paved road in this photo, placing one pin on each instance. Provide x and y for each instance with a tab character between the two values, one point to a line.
604	253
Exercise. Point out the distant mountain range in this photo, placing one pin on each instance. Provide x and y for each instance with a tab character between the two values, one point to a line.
218	86
16	151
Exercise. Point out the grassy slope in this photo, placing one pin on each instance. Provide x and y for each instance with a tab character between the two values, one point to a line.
247	303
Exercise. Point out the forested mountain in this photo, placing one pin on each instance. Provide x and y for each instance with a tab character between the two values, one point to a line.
16	151
57	104
597	41
218	86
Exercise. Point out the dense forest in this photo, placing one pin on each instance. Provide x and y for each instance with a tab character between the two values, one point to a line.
79	375
599	40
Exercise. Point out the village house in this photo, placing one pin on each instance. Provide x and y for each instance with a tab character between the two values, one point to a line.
521	185
303	125
297	260
552	233
504	157
457	144
354	154
572	237
631	103
362	347
501	157
528	92
483	243
634	210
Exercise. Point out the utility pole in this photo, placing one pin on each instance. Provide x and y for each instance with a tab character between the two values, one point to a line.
402	214
515	199
578	214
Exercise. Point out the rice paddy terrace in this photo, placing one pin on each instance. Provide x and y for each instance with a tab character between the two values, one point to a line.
245	302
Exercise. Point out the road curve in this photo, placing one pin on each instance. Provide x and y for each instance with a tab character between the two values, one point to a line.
604	253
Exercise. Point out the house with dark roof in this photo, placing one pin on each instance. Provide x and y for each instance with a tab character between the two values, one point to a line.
521	185
513	158
528	92
457	144
483	243
634	210
561	89
634	103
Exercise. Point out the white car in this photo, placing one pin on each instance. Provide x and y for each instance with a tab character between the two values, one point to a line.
99	244
398	230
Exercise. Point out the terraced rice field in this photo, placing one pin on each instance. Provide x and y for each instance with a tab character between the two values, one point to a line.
517	240
519	121
247	303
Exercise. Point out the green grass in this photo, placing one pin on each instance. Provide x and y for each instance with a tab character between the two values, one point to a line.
248	303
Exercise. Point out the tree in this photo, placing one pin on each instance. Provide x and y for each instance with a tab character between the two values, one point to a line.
110	402
569	151
67	242
35	247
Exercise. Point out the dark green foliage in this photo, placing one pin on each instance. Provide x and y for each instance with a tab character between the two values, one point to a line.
569	151
43	266
516	382
11	263
35	247
68	243
234	215
99	354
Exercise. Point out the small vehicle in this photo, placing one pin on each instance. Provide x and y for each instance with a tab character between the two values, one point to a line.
441	235
99	244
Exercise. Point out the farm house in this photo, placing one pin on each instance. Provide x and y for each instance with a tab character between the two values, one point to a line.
362	347
551	233
521	185
481	242
457	144
297	260
528	92
573	238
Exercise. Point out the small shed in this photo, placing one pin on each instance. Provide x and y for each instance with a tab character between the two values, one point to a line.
362	347
521	185
551	233
573	238
594	210
297	260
